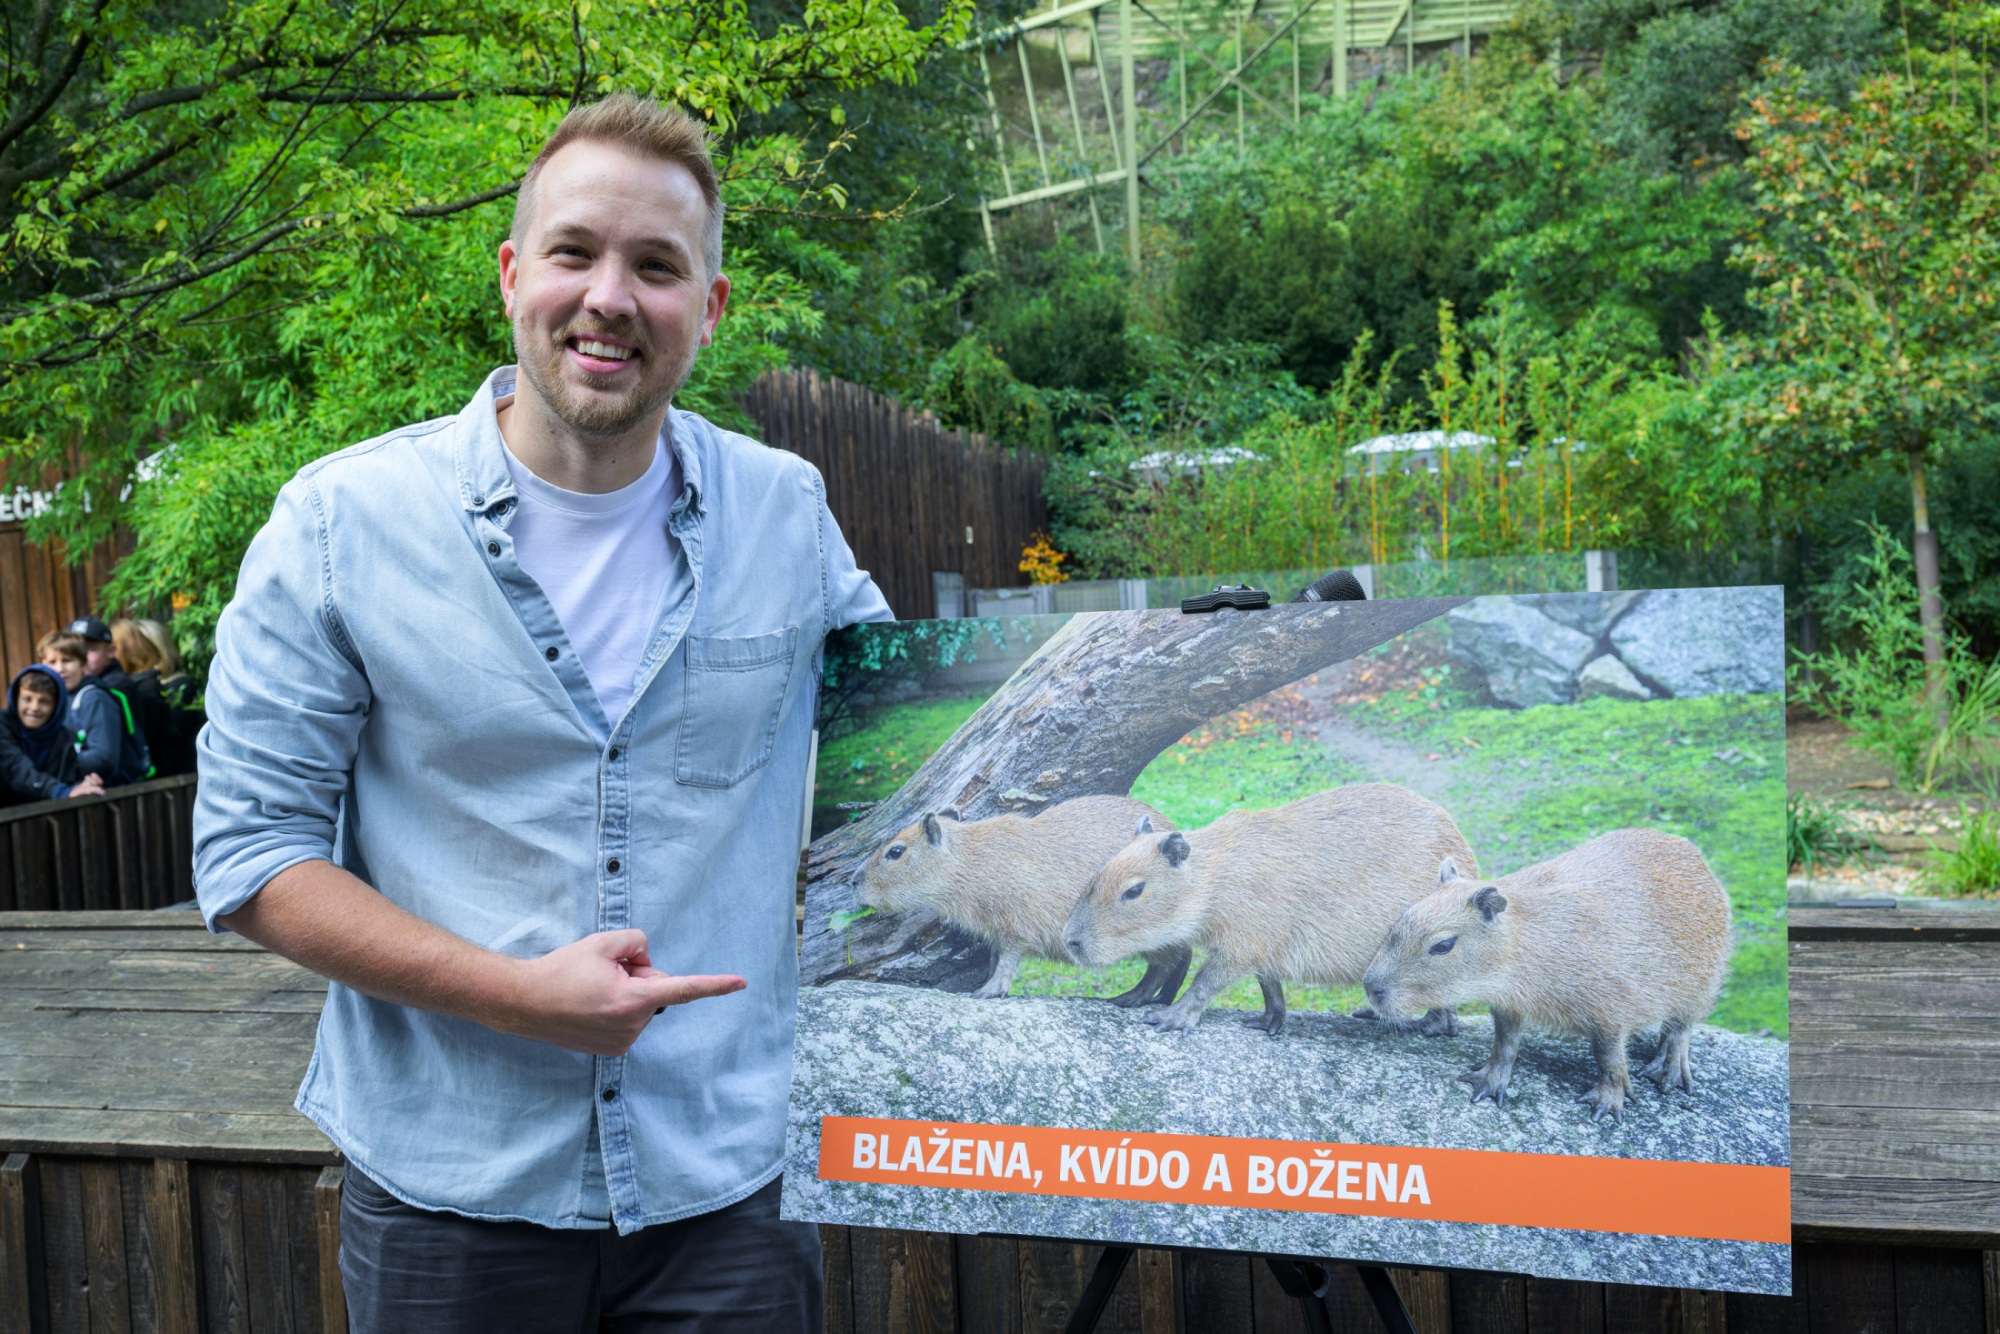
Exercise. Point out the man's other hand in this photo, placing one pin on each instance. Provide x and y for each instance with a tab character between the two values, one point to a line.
599	994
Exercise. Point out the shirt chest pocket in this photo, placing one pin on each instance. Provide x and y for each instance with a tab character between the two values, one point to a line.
729	715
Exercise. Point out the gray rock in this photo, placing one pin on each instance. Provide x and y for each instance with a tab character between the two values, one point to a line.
1587	613
1706	641
875	1050
1526	658
1608	676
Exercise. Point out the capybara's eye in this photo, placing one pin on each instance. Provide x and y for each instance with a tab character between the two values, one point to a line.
1444	946
895	852
1134	892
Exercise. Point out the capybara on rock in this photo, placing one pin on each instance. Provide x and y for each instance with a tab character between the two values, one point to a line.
1012	880
1626	932
1302	892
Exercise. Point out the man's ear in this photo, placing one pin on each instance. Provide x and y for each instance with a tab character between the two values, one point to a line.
510	274
718	301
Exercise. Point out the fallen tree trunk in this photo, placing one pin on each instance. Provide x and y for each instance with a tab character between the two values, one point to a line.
1083	716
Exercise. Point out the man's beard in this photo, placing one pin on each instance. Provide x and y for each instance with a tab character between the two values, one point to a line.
598	414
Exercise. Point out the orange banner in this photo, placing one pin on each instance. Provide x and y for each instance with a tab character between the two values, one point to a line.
1720	1201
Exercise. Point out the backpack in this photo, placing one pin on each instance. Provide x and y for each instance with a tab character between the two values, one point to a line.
134	739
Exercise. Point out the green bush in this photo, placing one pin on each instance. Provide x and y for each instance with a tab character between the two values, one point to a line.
1974	867
1819	835
1929	727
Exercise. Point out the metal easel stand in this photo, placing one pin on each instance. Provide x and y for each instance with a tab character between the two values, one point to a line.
1304	1279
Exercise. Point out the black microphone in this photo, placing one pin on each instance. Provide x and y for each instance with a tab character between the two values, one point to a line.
1337	586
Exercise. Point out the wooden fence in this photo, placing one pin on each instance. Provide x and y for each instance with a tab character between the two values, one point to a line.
912	497
38	592
133	847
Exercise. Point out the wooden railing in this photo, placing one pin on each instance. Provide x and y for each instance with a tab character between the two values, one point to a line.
133	847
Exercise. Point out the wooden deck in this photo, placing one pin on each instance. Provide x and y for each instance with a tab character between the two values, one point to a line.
153	1174
1896	1075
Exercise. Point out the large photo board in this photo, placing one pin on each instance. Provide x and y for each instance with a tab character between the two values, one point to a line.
1432	932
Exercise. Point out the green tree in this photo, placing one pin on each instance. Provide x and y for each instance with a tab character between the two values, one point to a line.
238	235
1874	250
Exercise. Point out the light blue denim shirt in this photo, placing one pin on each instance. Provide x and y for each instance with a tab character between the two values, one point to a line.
392	693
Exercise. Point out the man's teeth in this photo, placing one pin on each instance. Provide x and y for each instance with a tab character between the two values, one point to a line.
608	351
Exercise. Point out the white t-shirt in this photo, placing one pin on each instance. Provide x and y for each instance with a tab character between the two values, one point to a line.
603	561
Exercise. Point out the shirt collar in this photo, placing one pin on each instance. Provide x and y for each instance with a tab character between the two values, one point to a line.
484	480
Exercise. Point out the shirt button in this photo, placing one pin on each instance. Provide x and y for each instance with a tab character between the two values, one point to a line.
479	500
612	866
610	1094
613	756
492	548
550	653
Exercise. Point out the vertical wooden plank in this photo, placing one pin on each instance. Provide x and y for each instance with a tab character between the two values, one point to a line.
1427	1294
64	1249
23	1283
1642	1310
1748	1313
17	629
876	1252
169	1254
266	1256
218	1193
104	1246
933	1286
1559	1307
297	1188
989	1285
1848	1289
135	1179
1216	1293
1156	1291
1488	1303
1992	1268
837	1265
1941	1289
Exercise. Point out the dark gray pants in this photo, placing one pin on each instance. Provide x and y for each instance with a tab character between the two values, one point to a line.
411	1271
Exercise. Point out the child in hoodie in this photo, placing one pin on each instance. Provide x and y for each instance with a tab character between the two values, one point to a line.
37	750
108	743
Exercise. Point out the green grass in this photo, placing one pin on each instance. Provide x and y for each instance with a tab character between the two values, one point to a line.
1531	783
1236	766
872	763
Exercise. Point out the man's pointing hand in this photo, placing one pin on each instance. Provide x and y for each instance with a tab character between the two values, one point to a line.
599	994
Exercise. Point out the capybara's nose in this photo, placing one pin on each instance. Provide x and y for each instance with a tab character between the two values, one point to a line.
1075	944
1375	993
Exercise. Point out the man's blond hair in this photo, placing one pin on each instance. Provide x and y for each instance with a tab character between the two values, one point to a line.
645	126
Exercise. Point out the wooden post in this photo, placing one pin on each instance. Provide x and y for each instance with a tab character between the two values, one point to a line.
1129	96
170	1247
23	1304
326	1212
1340	21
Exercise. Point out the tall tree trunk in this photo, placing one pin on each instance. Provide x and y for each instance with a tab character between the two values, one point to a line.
1083	716
1930	602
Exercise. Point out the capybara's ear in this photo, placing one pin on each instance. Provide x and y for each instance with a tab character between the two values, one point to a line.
933	832
950	813
1489	902
1447	870
1174	848
1145	826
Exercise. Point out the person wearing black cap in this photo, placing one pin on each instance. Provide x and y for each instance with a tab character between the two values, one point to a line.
100	661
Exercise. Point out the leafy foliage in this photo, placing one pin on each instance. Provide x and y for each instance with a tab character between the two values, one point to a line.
238	236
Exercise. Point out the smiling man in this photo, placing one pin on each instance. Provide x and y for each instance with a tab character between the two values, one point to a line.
507	737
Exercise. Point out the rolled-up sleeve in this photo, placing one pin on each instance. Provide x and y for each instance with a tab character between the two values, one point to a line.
287	698
851	595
